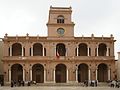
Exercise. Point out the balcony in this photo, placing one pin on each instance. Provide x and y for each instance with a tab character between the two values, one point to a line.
61	58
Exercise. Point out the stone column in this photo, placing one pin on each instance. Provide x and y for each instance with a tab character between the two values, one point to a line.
10	50
43	51
67	76
77	50
88	51
107	53
32	51
66	52
97	51
89	74
108	74
23	74
9	75
44	76
96	73
22	51
76	75
55	51
54	75
30	74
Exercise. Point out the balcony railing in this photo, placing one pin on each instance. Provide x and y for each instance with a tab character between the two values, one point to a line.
64	58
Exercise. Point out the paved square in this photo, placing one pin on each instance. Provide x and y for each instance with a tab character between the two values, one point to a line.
57	88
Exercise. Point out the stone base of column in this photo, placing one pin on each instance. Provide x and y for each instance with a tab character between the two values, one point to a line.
73	82
49	82
7	83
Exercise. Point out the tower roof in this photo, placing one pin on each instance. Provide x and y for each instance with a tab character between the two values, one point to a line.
69	9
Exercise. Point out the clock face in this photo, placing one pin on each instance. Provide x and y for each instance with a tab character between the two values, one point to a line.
60	31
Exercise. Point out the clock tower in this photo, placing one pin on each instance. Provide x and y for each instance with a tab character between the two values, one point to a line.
59	23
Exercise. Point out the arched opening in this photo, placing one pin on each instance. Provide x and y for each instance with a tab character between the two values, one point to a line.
60	49
60	19
16	49
17	72
60	73
37	49
82	72
82	50
38	73
102	50
102	73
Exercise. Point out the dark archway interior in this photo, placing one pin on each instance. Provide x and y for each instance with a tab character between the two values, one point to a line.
82	72
17	72
38	73
60	49
82	50
16	49
102	73
37	49
102	50
60	73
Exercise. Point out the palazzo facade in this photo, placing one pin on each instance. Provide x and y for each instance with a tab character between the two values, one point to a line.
59	57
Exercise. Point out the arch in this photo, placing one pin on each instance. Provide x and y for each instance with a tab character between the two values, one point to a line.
60	49
102	49
82	49
16	72
16	49
60	73
37	49
60	19
82	72
38	73
102	72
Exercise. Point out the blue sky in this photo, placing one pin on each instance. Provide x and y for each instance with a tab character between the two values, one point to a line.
98	17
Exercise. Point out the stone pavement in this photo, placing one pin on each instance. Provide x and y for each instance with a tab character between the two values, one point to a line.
57	88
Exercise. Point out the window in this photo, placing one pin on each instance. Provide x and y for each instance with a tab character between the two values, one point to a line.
60	19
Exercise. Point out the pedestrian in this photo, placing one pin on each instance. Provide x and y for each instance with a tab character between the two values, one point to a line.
19	82
28	83
22	82
96	83
12	83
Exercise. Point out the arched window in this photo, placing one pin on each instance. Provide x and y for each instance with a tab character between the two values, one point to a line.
60	19
16	49
37	49
102	49
82	50
60	49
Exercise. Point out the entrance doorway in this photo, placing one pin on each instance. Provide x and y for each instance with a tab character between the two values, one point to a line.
38	73
60	73
102	73
17	72
82	72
